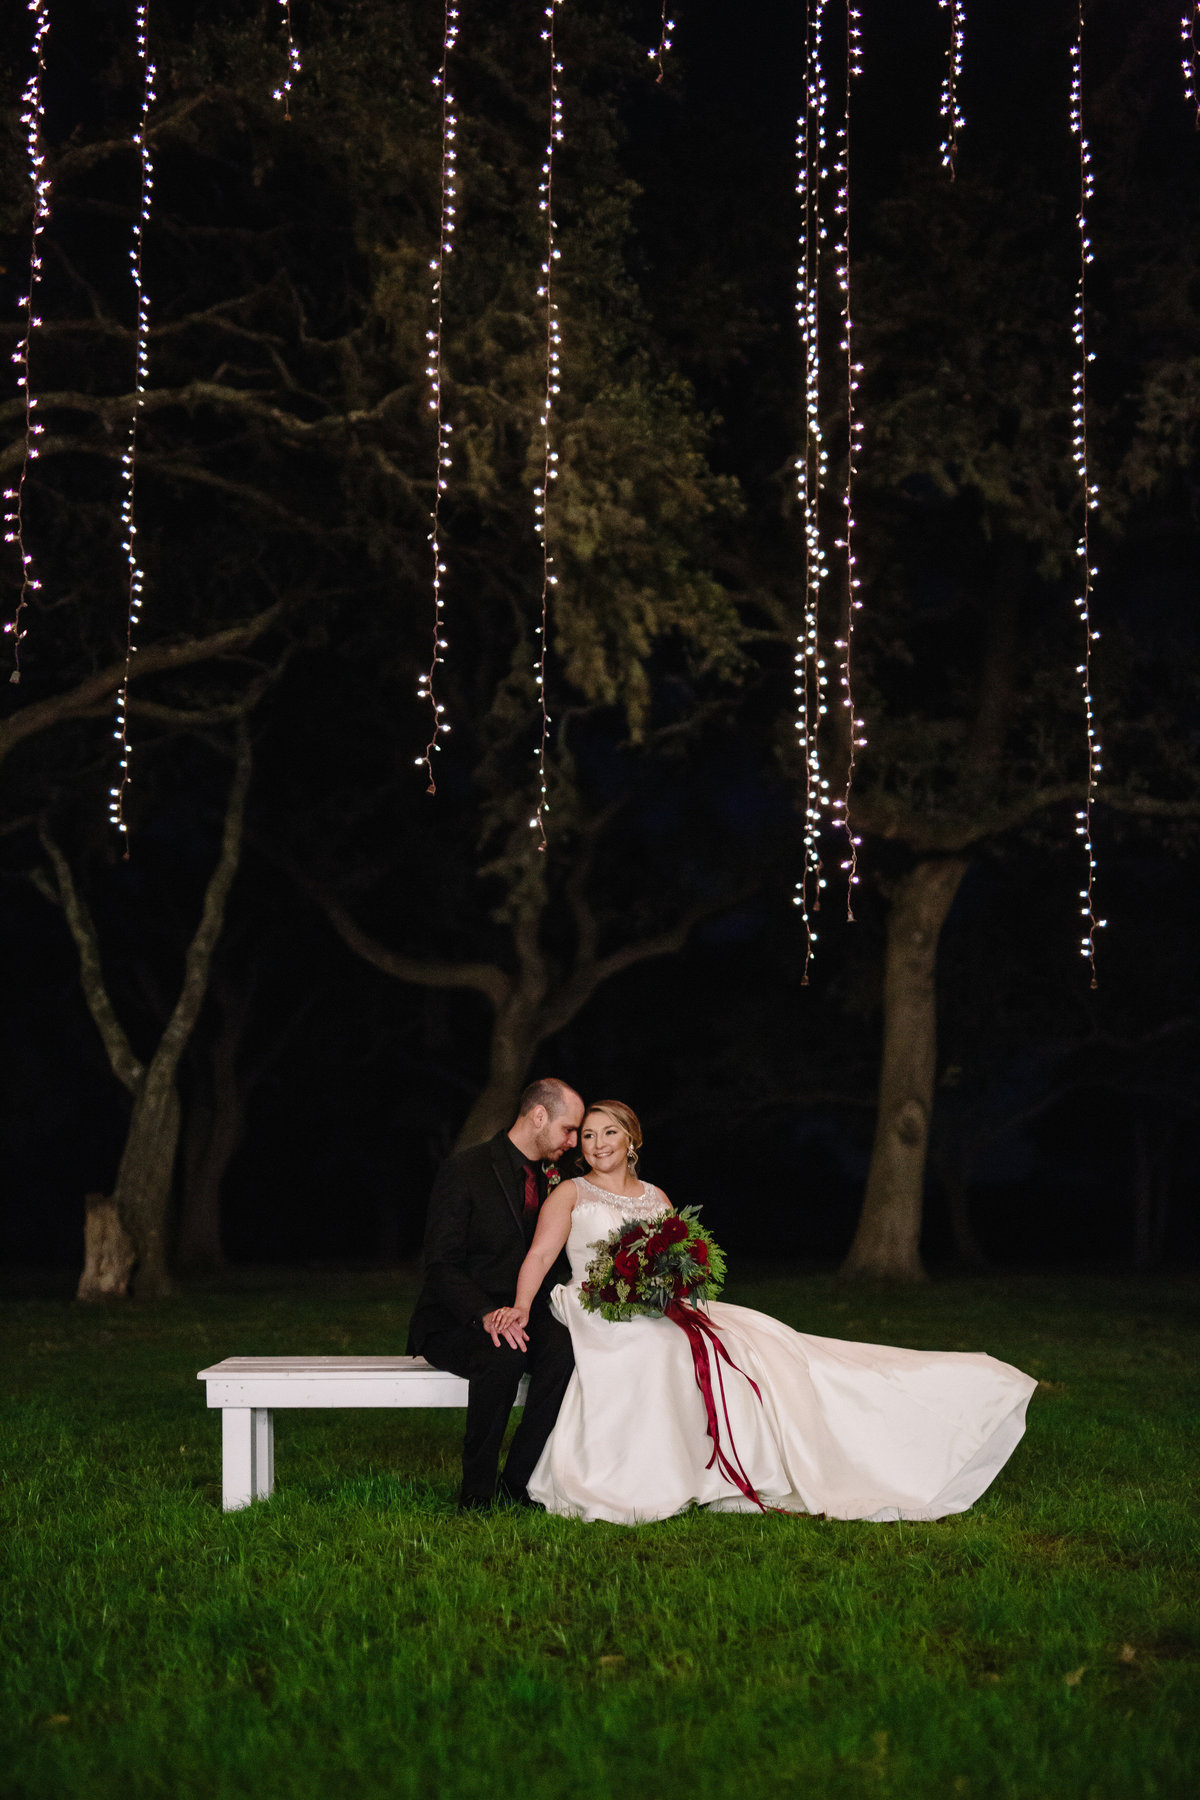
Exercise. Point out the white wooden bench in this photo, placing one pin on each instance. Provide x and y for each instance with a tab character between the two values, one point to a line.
250	1389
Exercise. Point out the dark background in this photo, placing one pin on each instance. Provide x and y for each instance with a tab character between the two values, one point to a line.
756	1093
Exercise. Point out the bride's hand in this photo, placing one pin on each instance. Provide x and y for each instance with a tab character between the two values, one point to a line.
508	1323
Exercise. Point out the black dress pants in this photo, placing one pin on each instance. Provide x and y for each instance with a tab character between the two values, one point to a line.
494	1373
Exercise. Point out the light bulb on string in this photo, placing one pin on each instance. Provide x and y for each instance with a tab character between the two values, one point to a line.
427	683
811	468
664	42
953	120
854	725
541	495
1191	72
32	118
283	92
136	578
1090	497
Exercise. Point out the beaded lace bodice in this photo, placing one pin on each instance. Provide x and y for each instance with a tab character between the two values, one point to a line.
597	1214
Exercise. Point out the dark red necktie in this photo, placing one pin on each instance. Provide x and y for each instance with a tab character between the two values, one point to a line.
531	1191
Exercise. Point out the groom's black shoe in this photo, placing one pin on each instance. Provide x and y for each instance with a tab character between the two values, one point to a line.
475	1503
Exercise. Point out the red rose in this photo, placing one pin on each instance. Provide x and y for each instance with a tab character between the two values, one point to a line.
626	1266
673	1230
699	1251
656	1246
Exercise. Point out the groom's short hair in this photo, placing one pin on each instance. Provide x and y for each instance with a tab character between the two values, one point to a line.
550	1093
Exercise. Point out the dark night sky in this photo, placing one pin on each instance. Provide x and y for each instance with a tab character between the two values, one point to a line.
357	1102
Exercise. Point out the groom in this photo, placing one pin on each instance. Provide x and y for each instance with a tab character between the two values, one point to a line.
482	1215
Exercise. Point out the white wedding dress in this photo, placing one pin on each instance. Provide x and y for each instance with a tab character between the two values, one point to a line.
854	1431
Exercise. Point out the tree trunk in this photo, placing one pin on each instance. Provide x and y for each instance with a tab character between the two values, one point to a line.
143	1190
213	1132
108	1253
954	1172
886	1244
516	1034
214	1128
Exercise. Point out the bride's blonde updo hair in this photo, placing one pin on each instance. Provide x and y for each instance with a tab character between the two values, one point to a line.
628	1120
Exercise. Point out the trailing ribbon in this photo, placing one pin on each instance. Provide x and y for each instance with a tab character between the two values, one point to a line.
701	1332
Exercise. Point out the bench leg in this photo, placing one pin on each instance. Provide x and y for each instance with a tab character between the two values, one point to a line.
247	1455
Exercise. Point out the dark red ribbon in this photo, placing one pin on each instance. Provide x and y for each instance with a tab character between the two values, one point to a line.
700	1333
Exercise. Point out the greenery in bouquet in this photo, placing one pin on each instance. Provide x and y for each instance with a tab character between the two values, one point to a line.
643	1268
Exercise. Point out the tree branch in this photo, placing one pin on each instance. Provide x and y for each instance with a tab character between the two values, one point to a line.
589	976
85	156
883	816
576	885
127	1068
212	917
1147	807
485	978
189	718
117	408
78	701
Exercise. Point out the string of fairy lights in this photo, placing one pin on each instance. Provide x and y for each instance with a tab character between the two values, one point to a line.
664	43
141	348
283	93
1191	58
427	691
951	108
854	429
32	118
819	220
1090	497
811	470
553	372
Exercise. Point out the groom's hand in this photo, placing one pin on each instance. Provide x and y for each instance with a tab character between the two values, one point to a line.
502	1327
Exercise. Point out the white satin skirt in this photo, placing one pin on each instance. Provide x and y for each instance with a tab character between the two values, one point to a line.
853	1431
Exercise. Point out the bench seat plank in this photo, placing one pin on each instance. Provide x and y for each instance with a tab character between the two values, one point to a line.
248	1390
294	1381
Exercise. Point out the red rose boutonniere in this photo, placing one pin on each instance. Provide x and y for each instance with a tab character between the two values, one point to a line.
552	1177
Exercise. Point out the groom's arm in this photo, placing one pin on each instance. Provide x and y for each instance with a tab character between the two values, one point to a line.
446	1239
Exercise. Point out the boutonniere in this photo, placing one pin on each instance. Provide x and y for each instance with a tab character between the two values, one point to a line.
550	1170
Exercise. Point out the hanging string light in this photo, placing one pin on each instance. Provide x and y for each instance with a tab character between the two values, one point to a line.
664	43
953	120
283	92
1090	493
552	383
1191	75
136	576
811	468
426	687
853	442
14	497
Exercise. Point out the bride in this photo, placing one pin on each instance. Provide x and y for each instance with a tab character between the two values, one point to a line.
854	1431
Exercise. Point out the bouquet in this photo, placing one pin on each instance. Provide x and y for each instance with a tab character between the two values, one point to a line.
653	1267
664	1266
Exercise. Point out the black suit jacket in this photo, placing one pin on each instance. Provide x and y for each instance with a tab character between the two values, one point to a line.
476	1236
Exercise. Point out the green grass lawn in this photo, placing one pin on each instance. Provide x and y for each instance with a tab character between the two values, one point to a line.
354	1637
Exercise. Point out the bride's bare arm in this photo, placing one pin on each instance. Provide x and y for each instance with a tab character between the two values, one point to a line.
553	1229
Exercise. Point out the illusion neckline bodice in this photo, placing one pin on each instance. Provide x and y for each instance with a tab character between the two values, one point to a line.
638	1206
597	1213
